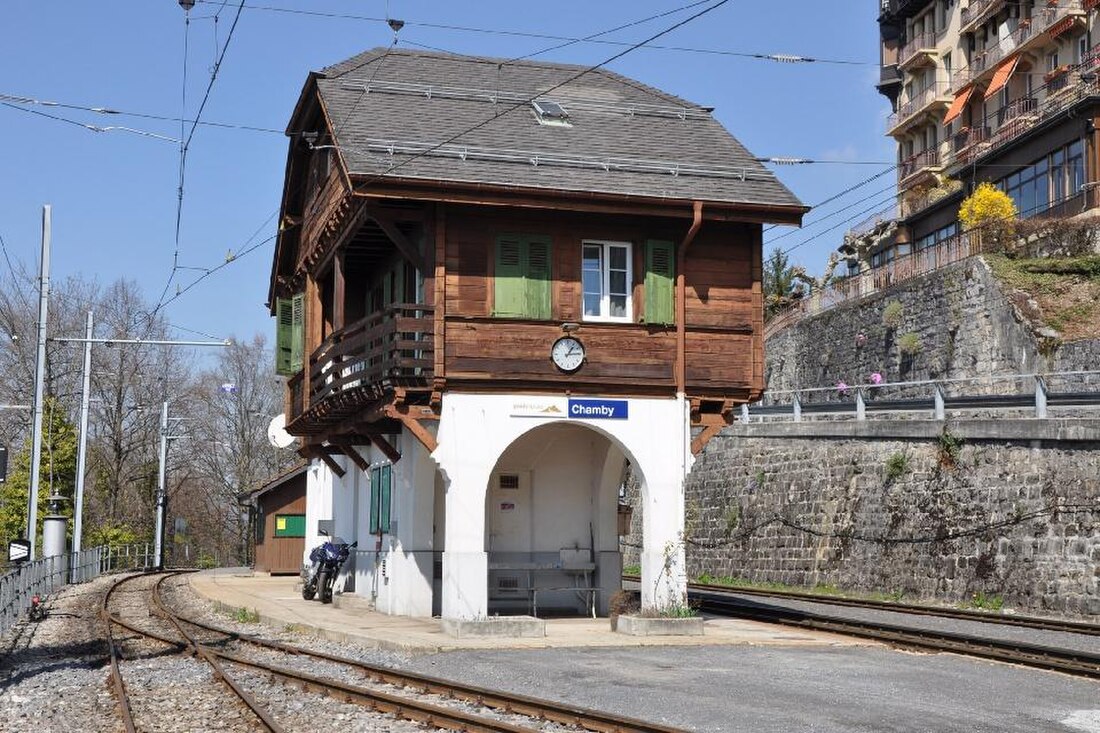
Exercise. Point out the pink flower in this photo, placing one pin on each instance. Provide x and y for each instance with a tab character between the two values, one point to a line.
876	378
841	387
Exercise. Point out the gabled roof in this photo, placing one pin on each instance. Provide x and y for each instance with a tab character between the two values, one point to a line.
391	109
275	483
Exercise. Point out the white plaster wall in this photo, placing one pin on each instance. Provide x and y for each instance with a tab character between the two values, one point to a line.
474	430
396	573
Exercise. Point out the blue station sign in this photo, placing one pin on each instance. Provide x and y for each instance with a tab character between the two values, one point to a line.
596	409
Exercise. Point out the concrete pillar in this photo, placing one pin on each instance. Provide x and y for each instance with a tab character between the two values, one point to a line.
465	562
319	488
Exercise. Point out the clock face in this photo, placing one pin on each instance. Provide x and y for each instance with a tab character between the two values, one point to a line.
567	353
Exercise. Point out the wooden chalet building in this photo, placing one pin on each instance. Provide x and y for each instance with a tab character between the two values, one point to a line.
498	282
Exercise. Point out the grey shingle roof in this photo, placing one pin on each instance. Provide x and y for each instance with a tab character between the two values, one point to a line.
389	110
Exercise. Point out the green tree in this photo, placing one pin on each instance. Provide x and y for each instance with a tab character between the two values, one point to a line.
57	470
778	282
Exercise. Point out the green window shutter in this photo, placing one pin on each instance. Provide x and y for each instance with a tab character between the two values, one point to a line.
660	272
284	336
509	298
384	511
298	333
538	278
375	498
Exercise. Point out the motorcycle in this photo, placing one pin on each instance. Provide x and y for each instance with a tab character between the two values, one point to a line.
325	563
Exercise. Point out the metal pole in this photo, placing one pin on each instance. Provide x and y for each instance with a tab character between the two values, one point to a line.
82	450
161	489
39	380
861	405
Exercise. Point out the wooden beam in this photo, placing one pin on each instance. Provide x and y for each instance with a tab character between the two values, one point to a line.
407	248
701	440
328	461
383	445
413	426
310	452
681	298
439	335
339	290
348	449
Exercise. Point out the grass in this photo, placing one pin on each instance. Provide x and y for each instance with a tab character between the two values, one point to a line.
246	616
821	589
1066	289
986	603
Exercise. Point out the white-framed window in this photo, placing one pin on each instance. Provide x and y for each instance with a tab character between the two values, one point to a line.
607	277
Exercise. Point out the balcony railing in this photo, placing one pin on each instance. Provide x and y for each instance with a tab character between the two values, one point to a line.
979	11
913	106
390	348
924	43
1019	108
917	163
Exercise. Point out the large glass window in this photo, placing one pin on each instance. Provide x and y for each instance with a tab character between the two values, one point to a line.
607	280
1047	182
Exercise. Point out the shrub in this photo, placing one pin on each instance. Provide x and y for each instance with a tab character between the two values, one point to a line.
896	466
892	314
245	616
948	446
909	344
622	602
989	209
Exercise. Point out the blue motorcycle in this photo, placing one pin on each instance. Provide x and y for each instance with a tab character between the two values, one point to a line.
325	563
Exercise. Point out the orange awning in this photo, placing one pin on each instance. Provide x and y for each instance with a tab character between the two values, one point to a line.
1061	26
1001	77
958	105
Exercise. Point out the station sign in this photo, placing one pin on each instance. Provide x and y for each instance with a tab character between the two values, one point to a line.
19	551
538	407
598	409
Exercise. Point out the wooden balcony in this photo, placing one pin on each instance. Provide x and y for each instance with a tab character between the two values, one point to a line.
360	368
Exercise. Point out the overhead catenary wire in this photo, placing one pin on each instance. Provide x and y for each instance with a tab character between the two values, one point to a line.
783	58
89	127
825	217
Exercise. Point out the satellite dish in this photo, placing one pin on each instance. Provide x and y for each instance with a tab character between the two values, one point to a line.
277	434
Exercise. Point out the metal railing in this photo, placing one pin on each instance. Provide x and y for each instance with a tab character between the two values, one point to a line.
910	166
42	577
925	42
951	250
1036	393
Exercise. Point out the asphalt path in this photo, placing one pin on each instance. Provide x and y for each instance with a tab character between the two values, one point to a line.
841	689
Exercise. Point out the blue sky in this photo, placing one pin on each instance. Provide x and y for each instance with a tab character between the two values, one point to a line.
114	193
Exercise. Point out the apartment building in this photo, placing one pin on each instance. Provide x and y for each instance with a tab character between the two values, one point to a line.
987	90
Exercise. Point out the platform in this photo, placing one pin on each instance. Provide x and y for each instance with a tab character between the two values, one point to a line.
279	604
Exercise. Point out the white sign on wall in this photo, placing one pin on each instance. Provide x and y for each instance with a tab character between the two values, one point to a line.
539	407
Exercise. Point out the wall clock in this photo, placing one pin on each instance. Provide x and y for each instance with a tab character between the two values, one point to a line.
567	353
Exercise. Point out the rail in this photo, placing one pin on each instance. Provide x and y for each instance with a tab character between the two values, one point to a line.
393	345
934	397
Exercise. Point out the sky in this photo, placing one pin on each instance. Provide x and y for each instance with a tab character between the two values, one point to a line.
114	193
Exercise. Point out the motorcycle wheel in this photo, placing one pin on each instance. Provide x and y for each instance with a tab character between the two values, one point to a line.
309	590
324	587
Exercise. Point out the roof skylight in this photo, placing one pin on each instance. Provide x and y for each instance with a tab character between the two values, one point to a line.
550	113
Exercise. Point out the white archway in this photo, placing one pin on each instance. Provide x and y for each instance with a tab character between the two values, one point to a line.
476	430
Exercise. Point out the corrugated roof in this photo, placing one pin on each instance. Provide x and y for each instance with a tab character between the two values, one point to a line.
390	109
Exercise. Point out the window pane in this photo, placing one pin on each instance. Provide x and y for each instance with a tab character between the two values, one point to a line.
592	257
618	306
592	282
1077	148
618	258
618	282
591	304
1042	191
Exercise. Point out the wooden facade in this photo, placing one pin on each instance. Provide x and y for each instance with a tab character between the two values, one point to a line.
277	554
399	280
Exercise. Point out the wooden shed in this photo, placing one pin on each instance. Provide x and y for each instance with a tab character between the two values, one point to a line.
280	522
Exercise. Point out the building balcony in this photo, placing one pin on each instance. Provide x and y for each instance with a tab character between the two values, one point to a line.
920	166
978	12
1025	35
968	144
362	367
920	51
928	100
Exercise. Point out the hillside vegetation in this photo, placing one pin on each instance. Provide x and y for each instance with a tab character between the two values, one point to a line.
1062	293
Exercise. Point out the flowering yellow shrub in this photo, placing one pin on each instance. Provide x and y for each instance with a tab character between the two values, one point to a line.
987	205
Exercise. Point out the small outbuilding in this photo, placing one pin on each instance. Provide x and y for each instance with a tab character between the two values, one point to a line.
279	513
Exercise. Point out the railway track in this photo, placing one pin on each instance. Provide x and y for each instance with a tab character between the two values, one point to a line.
387	690
958	614
1074	662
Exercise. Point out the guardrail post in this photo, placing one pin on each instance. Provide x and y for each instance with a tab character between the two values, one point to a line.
861	406
1040	398
744	412
796	406
941	412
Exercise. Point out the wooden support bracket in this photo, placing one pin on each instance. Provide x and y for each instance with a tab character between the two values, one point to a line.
315	451
408	249
348	449
383	445
413	425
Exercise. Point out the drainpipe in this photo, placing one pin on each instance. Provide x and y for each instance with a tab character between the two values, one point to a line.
681	305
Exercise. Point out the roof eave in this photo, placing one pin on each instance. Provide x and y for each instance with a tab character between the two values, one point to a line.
445	191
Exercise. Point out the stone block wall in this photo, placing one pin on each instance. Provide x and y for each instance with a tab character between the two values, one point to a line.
1000	519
